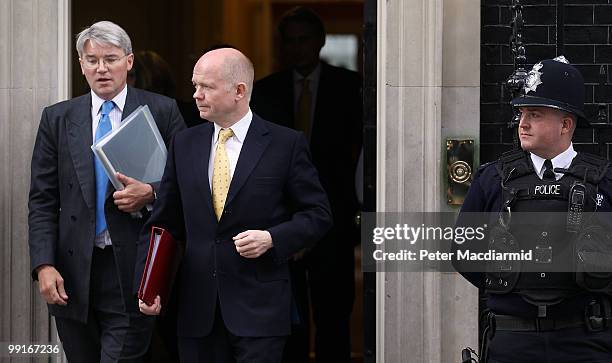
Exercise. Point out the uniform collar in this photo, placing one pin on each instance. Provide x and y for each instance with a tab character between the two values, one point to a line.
563	160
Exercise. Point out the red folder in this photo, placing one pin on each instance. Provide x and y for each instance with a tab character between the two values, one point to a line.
163	260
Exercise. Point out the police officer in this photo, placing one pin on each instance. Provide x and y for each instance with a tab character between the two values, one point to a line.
536	315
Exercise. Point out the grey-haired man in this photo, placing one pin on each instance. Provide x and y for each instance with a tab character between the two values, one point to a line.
81	232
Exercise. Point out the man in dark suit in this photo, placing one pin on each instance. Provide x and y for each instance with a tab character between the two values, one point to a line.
82	236
244	195
325	103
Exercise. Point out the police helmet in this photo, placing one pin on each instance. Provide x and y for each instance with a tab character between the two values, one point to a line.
557	84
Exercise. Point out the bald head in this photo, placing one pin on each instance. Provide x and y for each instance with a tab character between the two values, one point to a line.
234	67
223	79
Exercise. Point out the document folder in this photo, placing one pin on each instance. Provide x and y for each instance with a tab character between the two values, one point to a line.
135	149
163	260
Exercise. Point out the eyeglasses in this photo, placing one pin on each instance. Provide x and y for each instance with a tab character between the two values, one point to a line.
93	62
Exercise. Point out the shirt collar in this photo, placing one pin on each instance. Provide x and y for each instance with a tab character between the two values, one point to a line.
240	128
119	100
297	77
563	160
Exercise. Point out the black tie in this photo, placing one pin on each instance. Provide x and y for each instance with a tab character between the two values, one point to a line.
549	174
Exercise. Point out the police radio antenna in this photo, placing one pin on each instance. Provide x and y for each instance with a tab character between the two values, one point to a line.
515	83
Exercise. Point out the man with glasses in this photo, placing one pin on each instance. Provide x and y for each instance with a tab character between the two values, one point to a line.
82	235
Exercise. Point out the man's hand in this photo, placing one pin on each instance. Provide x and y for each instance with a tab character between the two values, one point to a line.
252	243
135	195
51	285
154	309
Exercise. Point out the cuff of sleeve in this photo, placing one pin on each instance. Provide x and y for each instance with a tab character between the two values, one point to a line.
154	192
149	206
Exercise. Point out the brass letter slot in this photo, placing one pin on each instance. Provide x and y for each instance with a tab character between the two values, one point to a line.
459	168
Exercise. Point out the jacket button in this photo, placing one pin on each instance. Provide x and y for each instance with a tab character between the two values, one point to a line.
227	211
214	273
70	252
73	218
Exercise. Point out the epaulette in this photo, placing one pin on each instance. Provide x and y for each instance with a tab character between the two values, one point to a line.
513	164
590	167
595	160
484	166
512	155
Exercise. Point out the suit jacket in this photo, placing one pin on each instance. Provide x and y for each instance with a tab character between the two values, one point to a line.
63	198
275	187
336	131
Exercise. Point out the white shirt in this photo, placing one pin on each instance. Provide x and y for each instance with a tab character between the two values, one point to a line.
115	114
313	85
104	239
562	160
233	145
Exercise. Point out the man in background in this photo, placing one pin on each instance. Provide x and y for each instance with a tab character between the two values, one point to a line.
324	102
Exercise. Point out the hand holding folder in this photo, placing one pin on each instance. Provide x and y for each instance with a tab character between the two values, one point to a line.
160	269
135	149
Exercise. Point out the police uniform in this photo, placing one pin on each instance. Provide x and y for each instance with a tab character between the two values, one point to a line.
541	316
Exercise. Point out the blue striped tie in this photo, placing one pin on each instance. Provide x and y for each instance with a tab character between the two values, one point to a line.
104	126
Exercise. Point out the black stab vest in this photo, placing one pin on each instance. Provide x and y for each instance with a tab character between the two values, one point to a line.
536	210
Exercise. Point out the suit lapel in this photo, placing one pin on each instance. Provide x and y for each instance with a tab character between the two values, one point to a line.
321	91
289	98
79	143
255	142
200	154
323	96
132	101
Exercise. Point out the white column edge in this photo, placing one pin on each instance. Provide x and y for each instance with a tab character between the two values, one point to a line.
381	61
64	92
64	49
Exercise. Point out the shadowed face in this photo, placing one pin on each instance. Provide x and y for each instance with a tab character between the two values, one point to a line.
301	45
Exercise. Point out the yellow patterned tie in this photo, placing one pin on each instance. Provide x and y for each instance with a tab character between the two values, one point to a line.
221	173
303	115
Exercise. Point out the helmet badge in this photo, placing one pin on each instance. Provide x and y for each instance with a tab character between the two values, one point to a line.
561	59
533	78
